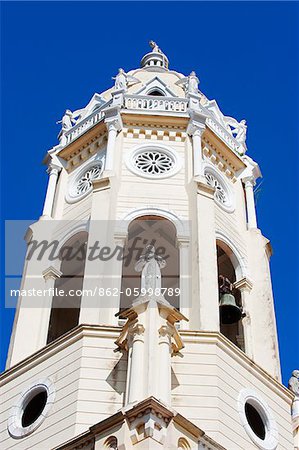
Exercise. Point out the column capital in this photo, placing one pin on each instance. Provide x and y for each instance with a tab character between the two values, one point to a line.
197	123
53	168
165	332
249	181
113	118
245	284
51	273
137	332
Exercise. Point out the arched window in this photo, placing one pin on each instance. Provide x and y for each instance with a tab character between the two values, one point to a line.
111	442
230	303
66	308
156	92
183	444
160	232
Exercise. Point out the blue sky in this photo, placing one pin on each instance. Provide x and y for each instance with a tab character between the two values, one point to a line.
55	55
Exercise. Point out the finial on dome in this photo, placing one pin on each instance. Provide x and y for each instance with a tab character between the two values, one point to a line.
155	59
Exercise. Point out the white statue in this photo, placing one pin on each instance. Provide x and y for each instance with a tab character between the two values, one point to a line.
189	83
122	80
150	264
237	129
294	382
193	82
155	47
67	121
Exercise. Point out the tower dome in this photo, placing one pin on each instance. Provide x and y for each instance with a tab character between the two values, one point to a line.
155	58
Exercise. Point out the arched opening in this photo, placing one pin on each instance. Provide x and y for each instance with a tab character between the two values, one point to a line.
156	92
111	442
183	444
66	308
230	302
161	233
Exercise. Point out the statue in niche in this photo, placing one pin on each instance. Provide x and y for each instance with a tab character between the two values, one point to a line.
150	266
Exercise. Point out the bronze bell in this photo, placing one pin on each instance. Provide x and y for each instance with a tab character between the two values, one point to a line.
229	311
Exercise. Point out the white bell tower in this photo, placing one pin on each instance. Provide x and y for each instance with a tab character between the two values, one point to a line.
156	327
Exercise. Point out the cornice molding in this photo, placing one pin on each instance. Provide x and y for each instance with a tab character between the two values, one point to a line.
221	148
113	332
83	141
51	273
218	339
58	345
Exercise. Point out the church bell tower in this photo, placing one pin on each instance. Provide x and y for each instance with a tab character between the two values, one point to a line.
156	327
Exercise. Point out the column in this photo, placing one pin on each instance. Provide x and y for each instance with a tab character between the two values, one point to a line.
244	286
208	298
249	183
53	172
164	378
136	375
195	129
185	279
197	151
50	275
120	242
114	124
112	132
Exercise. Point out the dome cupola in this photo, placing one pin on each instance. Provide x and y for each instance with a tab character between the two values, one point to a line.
154	59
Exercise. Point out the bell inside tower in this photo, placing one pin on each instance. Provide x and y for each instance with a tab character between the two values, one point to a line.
230	304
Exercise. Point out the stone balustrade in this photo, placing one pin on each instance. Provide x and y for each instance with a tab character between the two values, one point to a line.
149	103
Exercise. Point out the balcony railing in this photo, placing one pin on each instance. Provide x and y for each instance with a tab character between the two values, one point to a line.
84	125
148	103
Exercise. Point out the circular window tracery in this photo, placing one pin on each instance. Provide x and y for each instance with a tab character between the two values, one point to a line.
223	195
220	194
81	185
153	161
84	184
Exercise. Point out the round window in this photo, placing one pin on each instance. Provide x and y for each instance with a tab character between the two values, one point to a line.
257	420
34	408
223	195
81	185
153	161
31	409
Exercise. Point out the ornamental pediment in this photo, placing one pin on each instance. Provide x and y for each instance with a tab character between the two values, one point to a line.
156	86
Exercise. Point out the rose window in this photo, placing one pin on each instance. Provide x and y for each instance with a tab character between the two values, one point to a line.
153	162
84	184
220	194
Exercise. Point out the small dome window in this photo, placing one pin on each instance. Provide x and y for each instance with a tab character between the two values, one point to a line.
156	93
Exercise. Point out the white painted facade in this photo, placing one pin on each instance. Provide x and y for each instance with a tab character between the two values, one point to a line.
154	377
